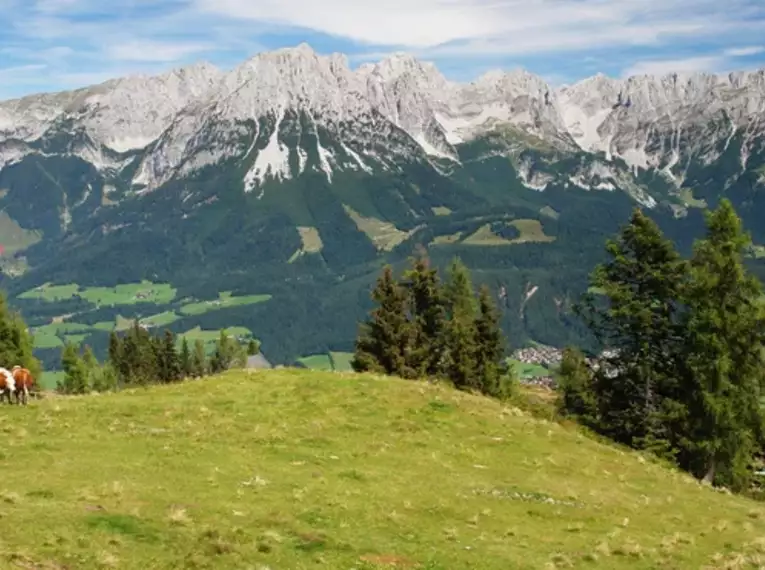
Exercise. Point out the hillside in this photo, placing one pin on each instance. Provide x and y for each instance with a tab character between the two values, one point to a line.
296	469
292	178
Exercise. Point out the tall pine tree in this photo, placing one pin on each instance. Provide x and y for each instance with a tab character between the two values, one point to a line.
185	358
639	325
385	341
490	348
16	344
461	365
576	398
170	362
76	372
427	313
725	373
198	359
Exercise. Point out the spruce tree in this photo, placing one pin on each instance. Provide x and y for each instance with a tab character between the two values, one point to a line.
185	358
385	341
427	313
198	359
75	372
224	354
16	344
115	348
576	397
461	365
490	348
171	363
724	380
639	325
253	347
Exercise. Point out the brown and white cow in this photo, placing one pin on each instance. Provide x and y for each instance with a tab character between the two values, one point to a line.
23	383
7	384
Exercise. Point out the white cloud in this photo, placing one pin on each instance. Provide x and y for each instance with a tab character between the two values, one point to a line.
666	66
148	50
84	39
501	26
744	51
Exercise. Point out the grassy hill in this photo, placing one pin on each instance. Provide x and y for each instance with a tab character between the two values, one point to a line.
300	469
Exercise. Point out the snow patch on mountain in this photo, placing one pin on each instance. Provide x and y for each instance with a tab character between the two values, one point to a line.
273	160
385	114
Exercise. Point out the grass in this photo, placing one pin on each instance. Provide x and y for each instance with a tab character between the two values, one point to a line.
225	300
51	292
549	212
531	231
527	370
339	361
311	239
316	362
296	469
161	319
125	294
447	239
210	337
311	242
54	334
384	235
686	195
13	237
49	379
484	236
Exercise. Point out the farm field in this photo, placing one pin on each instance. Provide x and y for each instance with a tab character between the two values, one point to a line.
339	361
126	294
225	300
526	370
299	469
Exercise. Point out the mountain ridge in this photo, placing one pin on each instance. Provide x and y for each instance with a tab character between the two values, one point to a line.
597	114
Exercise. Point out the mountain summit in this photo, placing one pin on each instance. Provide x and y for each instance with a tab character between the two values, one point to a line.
642	120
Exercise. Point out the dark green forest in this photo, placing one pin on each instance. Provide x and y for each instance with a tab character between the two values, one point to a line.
204	235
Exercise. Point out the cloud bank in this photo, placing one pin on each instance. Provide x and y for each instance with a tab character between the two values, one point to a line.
57	44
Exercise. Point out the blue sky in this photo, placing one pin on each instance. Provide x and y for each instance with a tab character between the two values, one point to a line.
50	45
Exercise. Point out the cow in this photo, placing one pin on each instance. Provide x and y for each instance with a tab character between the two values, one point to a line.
7	384
23	383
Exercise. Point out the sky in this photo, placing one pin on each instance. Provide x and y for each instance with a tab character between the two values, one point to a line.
50	45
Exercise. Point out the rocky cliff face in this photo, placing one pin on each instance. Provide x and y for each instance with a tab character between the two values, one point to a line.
371	118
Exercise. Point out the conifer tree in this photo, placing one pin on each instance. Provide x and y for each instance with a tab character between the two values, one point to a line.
198	359
385	341
639	324
427	313
724	380
224	354
490	348
575	392
253	347
75	372
16	344
170	362
185	358
115	348
461	364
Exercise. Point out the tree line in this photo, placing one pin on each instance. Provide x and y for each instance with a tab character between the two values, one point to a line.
423	327
682	371
140	358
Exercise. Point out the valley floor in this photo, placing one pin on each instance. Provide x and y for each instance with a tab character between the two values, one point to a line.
291	469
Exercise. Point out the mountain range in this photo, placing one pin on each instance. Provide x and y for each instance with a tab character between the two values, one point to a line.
295	176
